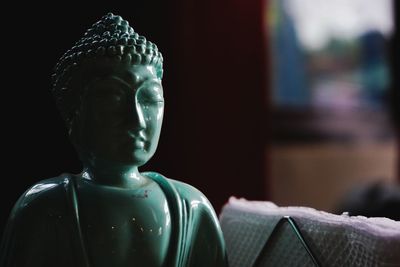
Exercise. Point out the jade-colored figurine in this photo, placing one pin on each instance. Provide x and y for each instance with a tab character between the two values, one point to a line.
108	89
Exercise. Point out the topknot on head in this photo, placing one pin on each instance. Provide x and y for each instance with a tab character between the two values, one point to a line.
110	36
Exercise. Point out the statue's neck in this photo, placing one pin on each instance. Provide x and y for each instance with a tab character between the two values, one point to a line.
113	174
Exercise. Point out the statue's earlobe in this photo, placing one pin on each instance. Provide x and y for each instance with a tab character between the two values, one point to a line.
75	128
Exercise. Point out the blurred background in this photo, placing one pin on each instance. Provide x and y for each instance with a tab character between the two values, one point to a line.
288	101
332	76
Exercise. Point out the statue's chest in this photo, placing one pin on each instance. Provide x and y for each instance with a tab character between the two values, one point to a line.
123	226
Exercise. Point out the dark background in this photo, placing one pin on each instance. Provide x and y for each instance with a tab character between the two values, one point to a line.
215	89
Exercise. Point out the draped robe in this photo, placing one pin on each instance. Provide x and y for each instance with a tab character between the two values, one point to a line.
44	228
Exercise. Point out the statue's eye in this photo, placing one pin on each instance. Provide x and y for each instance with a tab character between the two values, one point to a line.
151	100
150	96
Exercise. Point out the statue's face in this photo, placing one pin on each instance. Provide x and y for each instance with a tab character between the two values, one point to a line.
121	115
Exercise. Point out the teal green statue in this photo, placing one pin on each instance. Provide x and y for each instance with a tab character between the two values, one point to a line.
108	89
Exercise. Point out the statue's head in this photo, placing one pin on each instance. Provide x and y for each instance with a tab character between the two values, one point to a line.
108	89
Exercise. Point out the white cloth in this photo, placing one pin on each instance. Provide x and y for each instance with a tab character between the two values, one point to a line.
335	240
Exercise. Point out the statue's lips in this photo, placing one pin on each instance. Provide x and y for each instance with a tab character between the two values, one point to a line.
138	144
130	144
129	139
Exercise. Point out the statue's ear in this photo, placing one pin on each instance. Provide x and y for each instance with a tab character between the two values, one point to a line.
75	126
74	131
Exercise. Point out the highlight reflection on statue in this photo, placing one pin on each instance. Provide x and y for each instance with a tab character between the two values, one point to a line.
108	89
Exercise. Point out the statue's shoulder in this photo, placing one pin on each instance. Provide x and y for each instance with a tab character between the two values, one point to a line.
45	195
186	192
39	220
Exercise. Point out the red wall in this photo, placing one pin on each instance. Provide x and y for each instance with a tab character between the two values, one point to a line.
221	111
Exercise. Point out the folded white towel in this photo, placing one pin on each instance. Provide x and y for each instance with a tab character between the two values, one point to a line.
334	240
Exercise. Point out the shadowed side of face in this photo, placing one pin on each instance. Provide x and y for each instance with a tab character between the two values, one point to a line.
121	115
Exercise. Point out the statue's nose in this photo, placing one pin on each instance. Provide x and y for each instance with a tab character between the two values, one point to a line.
137	119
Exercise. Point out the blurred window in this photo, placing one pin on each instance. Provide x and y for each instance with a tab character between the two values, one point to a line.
331	127
330	69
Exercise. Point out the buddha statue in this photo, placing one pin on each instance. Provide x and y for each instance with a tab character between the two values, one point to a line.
109	92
